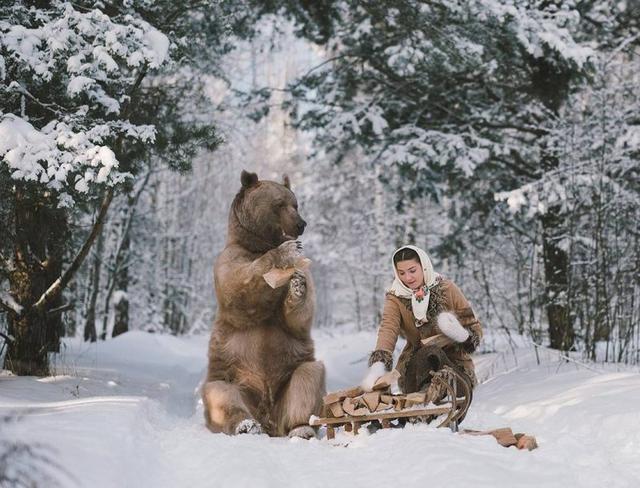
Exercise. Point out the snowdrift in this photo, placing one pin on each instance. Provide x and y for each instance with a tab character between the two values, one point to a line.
126	413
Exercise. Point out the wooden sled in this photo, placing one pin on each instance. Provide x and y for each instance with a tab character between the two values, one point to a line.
353	407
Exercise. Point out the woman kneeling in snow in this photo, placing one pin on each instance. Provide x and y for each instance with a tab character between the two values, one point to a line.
421	304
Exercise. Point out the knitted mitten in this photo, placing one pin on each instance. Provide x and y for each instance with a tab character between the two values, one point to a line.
379	363
450	326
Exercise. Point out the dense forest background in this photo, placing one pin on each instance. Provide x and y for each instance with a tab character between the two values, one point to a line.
501	136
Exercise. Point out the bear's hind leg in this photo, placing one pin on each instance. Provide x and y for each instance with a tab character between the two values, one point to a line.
302	398
225	410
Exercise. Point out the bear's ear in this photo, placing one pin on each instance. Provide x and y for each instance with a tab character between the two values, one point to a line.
248	179
286	182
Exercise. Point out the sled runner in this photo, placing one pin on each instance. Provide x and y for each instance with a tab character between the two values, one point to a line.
353	407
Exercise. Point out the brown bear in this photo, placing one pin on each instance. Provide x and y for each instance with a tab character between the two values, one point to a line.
262	374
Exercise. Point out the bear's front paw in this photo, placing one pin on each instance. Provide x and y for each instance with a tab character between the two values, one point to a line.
298	285
287	253
248	426
303	432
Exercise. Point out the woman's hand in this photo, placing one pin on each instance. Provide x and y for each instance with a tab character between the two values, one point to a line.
376	370
380	362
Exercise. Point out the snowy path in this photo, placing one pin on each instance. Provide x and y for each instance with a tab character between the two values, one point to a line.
125	414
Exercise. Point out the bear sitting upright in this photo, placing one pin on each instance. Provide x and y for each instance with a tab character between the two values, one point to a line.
262	374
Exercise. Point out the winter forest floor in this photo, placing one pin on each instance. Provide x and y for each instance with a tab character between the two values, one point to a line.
125	413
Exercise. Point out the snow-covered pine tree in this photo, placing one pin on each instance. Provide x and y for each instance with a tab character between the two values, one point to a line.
89	90
594	187
461	100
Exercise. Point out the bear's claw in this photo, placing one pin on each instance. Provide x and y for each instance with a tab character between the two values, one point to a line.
287	254
249	426
302	431
298	285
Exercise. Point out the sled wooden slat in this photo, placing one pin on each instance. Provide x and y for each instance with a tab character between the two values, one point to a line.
439	410
358	407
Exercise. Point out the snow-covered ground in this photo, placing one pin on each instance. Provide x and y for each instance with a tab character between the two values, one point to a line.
125	413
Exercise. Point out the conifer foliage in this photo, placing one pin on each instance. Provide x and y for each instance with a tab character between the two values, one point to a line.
89	91
475	105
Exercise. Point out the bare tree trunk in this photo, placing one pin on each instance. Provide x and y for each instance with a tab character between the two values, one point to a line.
119	278
121	306
90	333
40	234
556	269
39	243
105	314
56	243
551	87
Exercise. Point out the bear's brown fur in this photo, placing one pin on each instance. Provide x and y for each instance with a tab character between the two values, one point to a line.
262	374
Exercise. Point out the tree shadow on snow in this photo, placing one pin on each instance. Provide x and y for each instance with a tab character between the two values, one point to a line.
29	464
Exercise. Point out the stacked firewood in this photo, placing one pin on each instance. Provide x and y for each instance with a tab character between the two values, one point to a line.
354	402
352	407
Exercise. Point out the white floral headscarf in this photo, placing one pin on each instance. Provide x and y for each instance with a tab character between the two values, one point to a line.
420	298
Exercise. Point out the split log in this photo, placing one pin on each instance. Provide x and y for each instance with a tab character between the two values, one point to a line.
504	436
340	395
386	380
382	406
336	409
278	277
416	398
439	340
398	403
526	442
388	399
350	407
371	400
360	403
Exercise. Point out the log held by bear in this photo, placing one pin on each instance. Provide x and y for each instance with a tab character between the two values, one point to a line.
277	277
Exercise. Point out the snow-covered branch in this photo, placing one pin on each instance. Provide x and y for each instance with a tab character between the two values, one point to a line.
8	303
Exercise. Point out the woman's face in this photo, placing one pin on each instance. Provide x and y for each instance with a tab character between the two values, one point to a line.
410	273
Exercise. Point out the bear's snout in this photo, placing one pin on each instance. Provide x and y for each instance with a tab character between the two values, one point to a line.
301	225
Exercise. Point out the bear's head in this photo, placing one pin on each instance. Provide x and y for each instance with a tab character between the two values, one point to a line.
264	214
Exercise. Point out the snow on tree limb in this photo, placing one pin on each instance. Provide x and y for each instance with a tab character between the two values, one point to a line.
8	303
90	43
62	159
100	62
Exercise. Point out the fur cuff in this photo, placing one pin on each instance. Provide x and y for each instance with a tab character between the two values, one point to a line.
472	343
382	356
450	326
